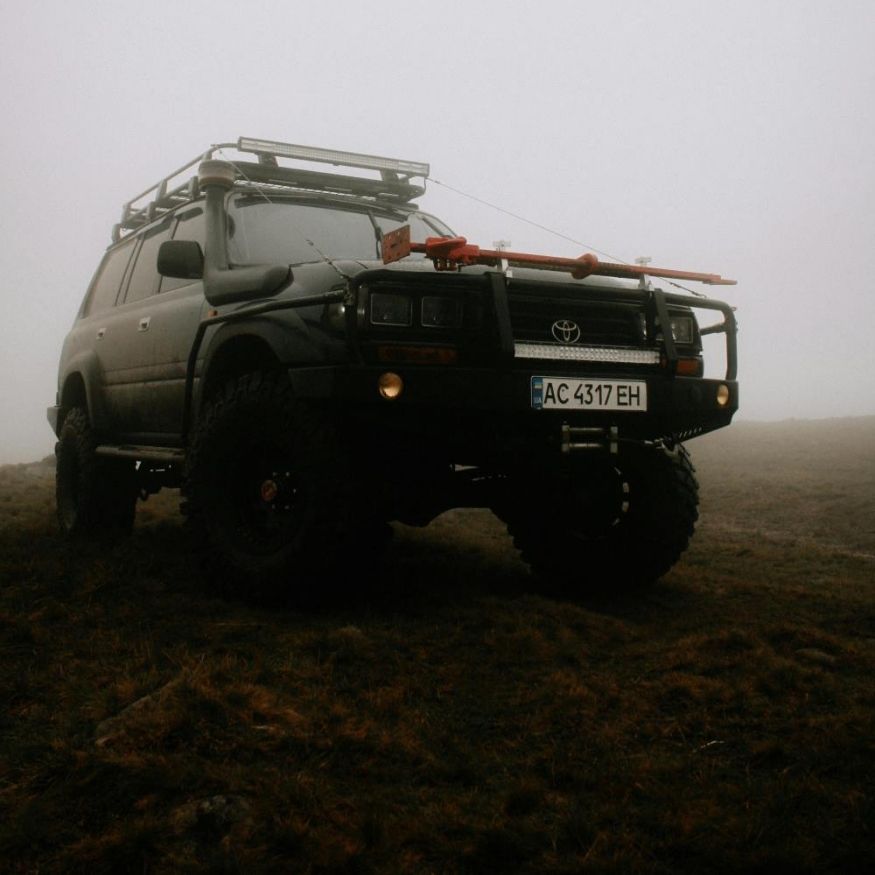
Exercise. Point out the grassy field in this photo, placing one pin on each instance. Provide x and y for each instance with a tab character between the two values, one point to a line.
452	718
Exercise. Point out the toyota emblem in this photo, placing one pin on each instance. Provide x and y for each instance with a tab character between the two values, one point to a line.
566	331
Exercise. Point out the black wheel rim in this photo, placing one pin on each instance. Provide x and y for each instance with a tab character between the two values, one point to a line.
265	501
599	505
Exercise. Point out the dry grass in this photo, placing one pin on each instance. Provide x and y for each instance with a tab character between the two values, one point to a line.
451	718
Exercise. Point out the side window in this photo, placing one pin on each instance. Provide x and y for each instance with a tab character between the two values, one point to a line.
108	280
192	226
144	277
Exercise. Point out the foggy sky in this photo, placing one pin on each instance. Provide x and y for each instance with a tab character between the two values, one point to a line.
730	138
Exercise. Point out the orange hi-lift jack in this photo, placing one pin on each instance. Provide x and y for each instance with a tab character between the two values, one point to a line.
452	253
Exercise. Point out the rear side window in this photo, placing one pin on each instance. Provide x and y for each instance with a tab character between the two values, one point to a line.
104	289
144	277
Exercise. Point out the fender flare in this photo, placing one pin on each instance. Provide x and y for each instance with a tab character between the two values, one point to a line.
289	341
86	366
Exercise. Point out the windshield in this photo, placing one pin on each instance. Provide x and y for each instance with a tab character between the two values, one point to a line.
292	232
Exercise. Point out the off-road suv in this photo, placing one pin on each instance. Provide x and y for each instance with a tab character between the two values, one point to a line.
267	337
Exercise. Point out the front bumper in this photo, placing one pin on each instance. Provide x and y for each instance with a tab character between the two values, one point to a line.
440	397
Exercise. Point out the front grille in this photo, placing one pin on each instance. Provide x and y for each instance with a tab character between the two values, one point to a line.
600	324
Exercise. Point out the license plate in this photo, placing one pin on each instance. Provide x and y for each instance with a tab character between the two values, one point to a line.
563	393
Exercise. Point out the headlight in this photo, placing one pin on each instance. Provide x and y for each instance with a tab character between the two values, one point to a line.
439	312
389	309
682	329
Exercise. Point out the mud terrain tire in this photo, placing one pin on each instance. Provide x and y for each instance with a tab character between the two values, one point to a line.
94	496
612	526
267	488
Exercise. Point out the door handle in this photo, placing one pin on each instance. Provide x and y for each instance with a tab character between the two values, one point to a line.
144	323
100	333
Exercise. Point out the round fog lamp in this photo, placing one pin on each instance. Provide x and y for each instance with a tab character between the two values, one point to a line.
390	385
723	395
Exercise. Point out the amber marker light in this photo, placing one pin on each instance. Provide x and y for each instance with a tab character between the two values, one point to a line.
722	395
390	385
689	367
426	355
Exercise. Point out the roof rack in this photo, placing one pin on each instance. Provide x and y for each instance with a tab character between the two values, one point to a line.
178	188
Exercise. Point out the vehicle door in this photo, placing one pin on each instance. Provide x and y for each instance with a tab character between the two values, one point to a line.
94	345
162	318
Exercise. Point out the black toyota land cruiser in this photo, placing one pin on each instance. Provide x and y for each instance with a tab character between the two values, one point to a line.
267	337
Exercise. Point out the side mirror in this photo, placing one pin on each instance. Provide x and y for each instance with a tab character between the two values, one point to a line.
183	259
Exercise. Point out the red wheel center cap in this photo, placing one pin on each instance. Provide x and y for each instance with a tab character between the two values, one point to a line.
269	490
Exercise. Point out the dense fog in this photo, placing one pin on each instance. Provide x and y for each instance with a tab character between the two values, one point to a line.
729	138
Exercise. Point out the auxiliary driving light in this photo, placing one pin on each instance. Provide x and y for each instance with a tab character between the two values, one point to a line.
390	385
723	395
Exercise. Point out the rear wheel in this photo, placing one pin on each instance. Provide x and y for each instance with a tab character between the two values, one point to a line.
268	488
609	524
94	495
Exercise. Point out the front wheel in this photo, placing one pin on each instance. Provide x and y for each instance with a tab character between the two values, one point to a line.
609	524
268	489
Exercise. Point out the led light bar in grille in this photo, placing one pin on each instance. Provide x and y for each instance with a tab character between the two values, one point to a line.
586	353
333	156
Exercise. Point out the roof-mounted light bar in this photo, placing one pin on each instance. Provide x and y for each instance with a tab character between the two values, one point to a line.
332	156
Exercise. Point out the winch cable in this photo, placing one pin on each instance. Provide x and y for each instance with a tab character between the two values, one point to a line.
551	231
